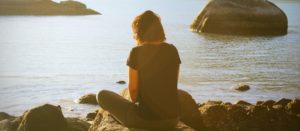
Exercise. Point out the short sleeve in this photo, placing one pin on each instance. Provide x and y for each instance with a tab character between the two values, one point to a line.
131	60
176	55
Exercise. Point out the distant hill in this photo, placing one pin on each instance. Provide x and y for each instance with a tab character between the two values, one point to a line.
44	7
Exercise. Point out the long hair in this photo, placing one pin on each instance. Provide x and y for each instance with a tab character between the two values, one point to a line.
147	27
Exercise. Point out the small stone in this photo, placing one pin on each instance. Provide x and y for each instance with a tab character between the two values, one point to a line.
268	103
211	102
91	116
227	103
241	87
88	99
294	106
121	82
259	102
283	102
241	102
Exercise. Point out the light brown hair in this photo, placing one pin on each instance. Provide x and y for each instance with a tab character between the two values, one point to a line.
148	28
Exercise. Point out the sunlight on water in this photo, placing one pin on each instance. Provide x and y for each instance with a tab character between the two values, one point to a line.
57	59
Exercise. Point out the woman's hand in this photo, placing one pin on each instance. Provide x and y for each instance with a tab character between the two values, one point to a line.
133	84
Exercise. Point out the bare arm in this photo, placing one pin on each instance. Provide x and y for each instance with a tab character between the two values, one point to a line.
133	84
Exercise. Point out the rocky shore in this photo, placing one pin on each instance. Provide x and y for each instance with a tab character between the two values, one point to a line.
270	115
44	7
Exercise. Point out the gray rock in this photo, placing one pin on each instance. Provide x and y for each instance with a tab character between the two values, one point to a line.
241	17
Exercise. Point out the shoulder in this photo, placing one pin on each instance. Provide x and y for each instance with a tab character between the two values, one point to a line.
171	46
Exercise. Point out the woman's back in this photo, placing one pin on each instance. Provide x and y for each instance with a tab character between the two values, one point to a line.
157	66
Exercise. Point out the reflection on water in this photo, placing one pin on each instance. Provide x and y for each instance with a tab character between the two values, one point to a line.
58	59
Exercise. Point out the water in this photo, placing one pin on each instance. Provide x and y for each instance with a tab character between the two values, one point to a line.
56	59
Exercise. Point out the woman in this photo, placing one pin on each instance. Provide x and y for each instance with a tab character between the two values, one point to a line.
153	74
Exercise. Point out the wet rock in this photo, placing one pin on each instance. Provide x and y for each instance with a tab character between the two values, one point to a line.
294	106
241	102
88	99
241	87
43	118
241	17
121	82
268	103
76	124
283	102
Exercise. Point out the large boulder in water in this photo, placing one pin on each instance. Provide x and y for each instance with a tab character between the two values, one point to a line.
241	17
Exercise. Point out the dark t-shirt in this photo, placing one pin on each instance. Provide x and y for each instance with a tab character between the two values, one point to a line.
157	67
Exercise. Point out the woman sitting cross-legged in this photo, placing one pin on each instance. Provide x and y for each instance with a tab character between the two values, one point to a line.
153	75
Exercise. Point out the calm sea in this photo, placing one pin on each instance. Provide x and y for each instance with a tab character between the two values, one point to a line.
56	59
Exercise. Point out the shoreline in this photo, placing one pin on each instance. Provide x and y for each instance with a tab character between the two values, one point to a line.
283	114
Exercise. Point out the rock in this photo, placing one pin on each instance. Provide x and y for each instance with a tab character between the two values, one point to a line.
210	102
283	102
241	102
268	103
237	118
294	106
241	87
4	115
76	124
260	117
121	82
241	17
91	116
88	99
44	7
213	116
259	102
43	118
227	103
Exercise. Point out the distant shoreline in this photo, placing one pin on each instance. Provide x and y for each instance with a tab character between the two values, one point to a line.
44	8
